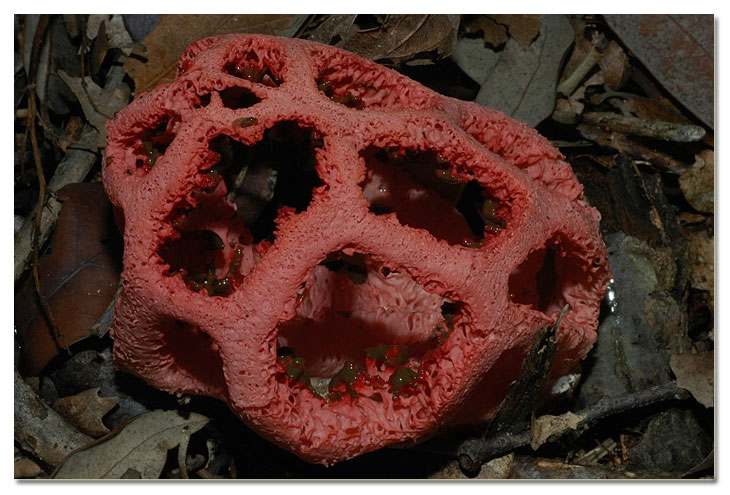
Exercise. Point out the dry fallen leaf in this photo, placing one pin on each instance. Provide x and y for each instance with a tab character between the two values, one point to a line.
495	469
523	28
85	411
522	83
702	258
173	33
698	182
79	277
24	467
474	58
139	445
678	50
696	374
335	29
98	105
615	64
401	37
546	426
493	33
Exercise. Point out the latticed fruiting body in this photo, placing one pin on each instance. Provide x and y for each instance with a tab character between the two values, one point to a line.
345	257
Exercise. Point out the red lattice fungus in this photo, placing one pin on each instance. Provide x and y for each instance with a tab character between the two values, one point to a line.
343	256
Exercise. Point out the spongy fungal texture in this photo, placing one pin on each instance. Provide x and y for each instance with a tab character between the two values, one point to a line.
343	256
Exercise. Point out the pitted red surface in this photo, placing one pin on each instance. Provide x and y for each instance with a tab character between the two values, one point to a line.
280	294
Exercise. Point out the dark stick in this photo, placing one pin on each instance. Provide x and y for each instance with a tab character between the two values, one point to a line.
474	451
516	409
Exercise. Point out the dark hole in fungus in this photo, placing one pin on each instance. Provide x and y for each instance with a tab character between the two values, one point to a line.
237	97
337	343
203	249
420	188
202	101
547	275
533	283
278	171
250	68
152	143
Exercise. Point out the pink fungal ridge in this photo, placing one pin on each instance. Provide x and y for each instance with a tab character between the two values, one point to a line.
346	258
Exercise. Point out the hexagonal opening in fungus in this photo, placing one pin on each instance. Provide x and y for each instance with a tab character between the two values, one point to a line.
419	187
237	97
359	321
276	172
206	244
150	144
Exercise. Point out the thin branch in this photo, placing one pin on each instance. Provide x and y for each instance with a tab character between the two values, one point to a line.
654	129
45	307
473	452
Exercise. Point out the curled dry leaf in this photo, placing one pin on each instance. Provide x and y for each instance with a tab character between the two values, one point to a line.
78	278
696	374
401	37
546	426
139	445
615	64
86	410
97	104
698	182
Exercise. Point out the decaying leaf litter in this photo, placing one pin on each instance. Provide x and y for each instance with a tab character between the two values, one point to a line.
639	137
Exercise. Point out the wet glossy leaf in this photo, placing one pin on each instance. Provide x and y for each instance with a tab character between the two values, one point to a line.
140	445
678	50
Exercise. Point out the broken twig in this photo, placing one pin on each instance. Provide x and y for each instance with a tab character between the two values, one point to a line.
568	86
623	144
655	129
522	397
475	451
